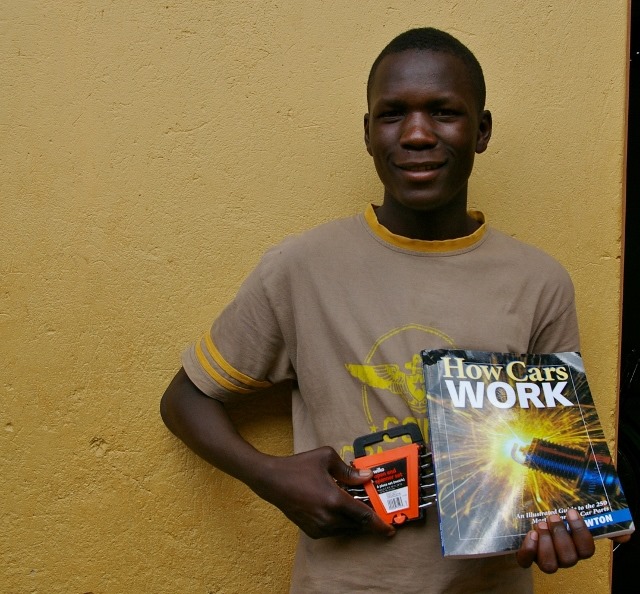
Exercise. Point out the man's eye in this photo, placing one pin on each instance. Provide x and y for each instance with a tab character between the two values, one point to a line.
444	113
390	114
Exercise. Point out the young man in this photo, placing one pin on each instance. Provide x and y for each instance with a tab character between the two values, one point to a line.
343	310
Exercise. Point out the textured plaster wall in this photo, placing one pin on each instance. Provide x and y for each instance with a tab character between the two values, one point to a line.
150	151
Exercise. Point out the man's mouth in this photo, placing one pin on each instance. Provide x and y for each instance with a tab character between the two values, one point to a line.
420	166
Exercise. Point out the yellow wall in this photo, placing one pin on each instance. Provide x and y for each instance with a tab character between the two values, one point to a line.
149	152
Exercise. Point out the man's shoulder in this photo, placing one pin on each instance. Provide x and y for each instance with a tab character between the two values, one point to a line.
310	253
519	253
324	235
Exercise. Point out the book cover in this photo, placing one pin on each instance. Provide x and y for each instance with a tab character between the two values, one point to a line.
516	438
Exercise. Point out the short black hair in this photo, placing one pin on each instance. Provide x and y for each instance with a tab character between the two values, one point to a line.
434	40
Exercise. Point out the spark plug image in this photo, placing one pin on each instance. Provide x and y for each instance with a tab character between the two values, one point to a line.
592	472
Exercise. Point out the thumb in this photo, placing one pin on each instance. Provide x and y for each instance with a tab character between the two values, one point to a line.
349	475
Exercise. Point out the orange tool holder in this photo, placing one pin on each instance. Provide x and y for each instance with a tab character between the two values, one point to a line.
398	491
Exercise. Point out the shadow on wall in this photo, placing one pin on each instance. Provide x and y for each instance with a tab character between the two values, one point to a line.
627	556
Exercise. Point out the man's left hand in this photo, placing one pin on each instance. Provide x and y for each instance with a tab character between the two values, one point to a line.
552	546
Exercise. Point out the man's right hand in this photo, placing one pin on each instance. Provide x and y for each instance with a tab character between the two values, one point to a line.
304	488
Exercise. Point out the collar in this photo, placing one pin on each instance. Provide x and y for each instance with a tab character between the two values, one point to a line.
422	245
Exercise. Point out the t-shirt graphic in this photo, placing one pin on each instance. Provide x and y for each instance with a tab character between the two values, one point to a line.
391	378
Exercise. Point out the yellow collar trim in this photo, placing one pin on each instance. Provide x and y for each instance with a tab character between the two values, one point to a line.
422	245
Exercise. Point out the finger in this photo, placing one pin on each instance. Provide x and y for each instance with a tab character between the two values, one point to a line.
340	515
582	538
367	520
526	554
563	542
349	475
546	558
349	517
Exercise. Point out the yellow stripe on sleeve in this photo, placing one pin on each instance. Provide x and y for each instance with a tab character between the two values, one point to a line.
232	371
225	383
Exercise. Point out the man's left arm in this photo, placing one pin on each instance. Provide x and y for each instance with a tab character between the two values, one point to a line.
551	545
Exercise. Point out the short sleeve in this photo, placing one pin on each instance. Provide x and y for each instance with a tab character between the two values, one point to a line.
559	330
244	350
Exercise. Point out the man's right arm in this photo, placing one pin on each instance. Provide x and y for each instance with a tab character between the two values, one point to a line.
302	486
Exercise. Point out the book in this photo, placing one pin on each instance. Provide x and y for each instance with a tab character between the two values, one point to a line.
516	438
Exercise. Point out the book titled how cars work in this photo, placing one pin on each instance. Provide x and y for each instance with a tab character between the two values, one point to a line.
516	438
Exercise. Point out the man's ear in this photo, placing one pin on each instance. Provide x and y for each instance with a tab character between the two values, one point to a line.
367	143
484	132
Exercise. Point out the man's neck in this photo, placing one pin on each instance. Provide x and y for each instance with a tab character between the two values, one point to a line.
431	225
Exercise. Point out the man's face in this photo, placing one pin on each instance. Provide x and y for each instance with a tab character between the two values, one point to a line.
424	128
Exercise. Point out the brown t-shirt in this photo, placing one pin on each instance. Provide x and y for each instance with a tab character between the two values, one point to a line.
344	310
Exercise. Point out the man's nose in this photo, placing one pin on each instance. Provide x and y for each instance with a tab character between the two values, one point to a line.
418	131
